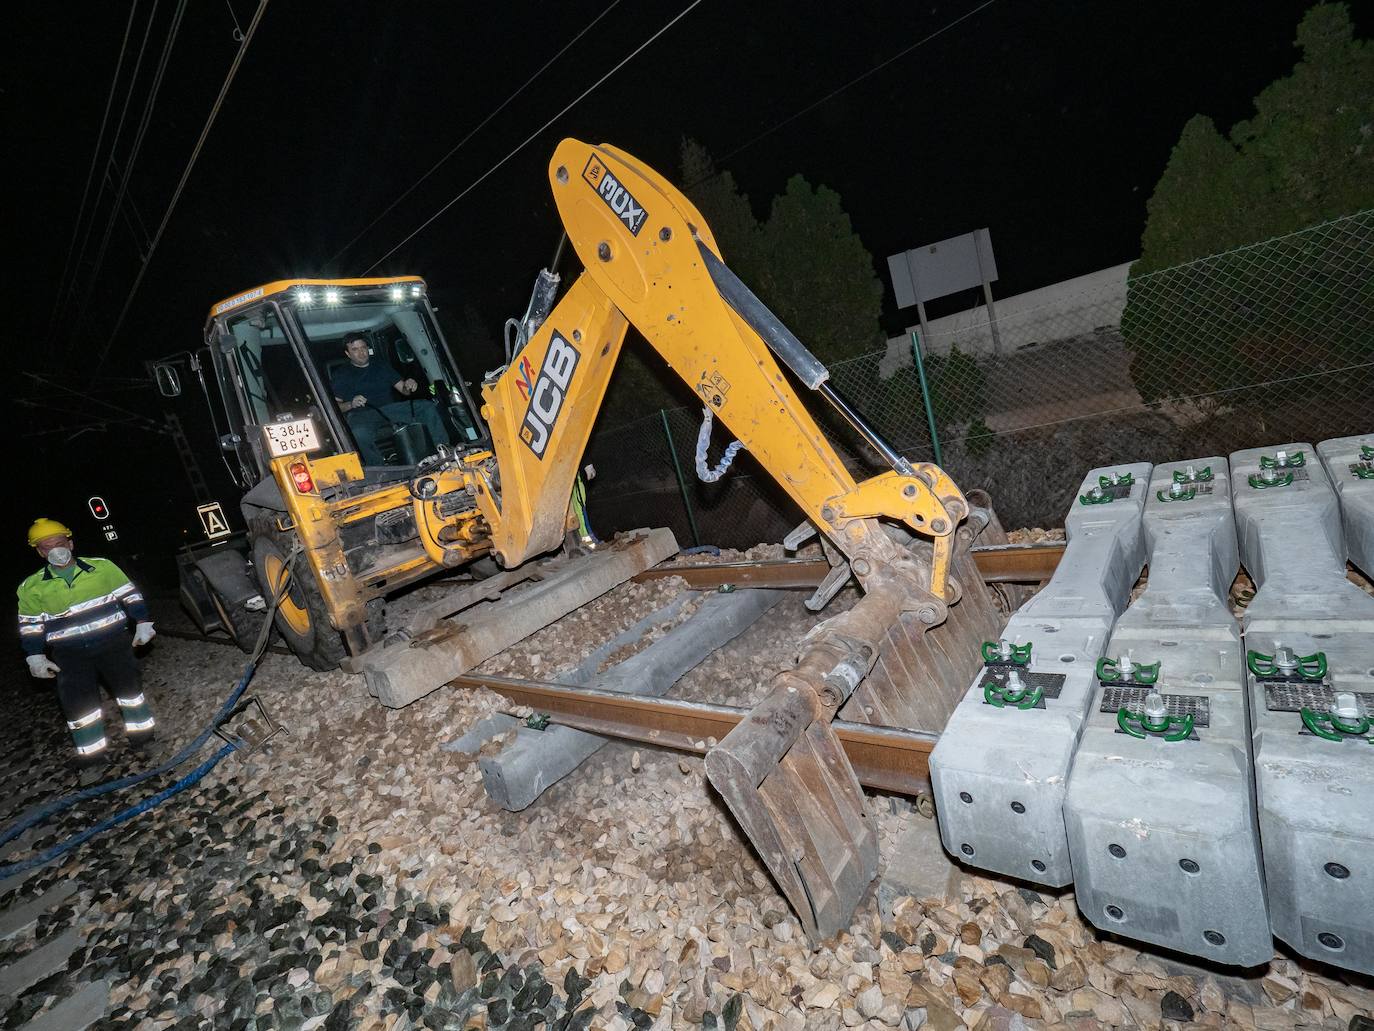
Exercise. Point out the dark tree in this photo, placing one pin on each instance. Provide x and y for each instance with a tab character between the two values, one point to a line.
1232	289
1305	157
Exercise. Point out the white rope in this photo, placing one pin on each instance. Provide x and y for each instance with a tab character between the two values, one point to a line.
705	472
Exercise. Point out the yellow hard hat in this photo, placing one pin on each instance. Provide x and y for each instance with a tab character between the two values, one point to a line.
46	528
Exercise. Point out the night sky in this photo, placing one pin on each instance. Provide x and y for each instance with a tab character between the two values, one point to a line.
1048	123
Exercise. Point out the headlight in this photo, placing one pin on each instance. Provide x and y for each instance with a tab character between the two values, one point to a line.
398	293
331	297
305	297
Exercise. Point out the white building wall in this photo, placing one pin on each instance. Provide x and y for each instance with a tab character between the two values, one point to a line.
1070	307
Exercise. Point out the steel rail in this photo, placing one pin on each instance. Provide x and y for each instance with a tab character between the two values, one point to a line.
884	758
998	563
1017	563
776	573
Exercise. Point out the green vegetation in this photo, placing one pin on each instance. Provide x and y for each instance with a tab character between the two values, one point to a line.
1208	329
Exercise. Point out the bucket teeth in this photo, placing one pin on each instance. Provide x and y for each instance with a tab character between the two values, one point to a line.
922	672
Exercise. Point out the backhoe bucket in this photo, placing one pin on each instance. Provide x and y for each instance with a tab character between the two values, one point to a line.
784	775
922	672
782	770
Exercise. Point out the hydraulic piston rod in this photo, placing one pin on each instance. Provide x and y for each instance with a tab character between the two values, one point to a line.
794	354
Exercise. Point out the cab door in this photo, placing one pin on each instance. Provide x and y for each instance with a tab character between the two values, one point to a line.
264	383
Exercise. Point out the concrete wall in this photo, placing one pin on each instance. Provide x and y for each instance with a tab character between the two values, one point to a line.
1069	308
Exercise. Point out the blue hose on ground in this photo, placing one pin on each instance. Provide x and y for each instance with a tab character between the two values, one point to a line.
702	549
47	855
50	809
61	805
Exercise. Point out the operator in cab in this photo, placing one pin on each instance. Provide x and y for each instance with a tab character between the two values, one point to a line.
79	610
363	388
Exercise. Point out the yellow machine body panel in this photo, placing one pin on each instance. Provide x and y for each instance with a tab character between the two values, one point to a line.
540	413
641	241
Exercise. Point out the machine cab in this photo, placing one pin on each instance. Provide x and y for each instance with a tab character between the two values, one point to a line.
334	366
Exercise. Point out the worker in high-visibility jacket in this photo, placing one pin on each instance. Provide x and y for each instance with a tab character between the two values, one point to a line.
74	616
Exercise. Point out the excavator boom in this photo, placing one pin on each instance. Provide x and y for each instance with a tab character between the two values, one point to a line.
650	260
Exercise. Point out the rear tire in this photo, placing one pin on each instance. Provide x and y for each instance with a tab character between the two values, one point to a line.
301	615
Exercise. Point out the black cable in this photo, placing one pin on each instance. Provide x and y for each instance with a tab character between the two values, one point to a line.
473	132
140	135
66	301
838	90
90	172
181	184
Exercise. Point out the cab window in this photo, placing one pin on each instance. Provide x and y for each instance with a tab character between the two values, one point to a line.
275	387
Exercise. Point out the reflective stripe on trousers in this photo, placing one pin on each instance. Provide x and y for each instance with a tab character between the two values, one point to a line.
138	718
92	748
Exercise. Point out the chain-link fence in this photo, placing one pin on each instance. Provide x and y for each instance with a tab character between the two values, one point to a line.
1268	343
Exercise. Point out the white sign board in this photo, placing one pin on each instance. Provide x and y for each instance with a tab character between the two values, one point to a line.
212	518
942	268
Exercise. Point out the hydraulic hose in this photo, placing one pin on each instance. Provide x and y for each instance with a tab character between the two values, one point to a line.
45	812
49	854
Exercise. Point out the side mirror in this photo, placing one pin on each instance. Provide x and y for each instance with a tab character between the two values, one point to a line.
230	442
168	382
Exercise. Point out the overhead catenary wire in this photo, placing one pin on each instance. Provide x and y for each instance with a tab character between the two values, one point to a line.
138	229
470	134
65	298
145	120
840	89
90	172
534	135
181	184
53	384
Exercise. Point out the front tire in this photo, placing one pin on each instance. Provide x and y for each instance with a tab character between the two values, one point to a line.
301	615
242	625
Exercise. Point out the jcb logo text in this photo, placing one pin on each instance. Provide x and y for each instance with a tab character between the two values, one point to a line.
549	393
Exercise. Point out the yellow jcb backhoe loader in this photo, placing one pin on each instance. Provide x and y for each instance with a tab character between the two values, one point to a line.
370	498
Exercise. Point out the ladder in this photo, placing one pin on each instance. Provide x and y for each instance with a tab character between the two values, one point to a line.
189	462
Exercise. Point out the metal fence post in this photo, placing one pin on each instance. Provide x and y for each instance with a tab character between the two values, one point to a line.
925	396
681	482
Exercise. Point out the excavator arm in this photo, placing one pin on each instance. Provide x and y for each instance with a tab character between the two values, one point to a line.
650	259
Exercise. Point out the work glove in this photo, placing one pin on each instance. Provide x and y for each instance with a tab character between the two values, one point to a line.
143	633
42	667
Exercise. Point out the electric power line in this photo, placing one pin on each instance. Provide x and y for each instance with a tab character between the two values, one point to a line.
852	82
181	184
140	134
52	384
531	137
238	32
65	301
435	167
90	172
132	218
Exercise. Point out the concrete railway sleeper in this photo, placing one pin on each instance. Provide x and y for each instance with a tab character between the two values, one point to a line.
1309	638
1169	722
1002	764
